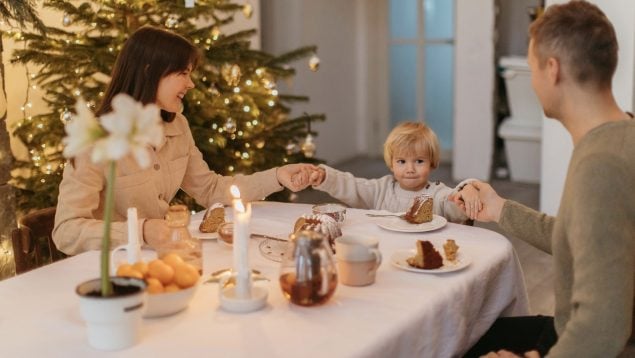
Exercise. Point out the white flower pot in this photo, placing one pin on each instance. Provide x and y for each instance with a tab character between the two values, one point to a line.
113	322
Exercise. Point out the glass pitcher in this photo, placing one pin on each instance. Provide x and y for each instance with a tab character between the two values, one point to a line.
180	241
308	275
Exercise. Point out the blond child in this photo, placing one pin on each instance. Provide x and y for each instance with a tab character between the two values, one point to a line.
411	151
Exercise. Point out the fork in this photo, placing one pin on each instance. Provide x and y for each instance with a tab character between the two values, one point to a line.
401	216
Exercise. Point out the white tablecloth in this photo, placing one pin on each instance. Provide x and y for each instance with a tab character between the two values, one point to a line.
404	314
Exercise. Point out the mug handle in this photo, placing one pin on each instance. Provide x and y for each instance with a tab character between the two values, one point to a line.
378	258
132	256
113	265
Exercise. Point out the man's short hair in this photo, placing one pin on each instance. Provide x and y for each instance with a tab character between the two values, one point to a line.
412	137
581	37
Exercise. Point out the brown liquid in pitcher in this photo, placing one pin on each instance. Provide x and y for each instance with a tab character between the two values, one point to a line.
308	293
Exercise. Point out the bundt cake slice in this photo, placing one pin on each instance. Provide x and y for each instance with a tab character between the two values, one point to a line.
427	256
421	210
321	223
214	216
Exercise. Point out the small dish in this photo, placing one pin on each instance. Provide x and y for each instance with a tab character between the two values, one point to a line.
398	259
401	225
196	233
226	234
169	303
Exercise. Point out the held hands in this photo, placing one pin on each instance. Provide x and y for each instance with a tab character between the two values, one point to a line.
296	177
472	204
486	207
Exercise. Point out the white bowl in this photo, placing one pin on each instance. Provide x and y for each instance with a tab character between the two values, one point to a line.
165	304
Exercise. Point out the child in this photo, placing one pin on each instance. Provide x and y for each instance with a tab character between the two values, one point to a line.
154	66
411	152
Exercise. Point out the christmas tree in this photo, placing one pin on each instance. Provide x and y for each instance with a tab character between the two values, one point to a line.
238	119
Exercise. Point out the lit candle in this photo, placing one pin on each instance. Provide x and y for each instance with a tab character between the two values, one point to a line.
242	218
133	248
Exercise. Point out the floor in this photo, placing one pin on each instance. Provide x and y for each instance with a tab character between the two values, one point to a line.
537	266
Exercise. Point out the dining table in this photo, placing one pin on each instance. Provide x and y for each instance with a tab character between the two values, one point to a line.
404	313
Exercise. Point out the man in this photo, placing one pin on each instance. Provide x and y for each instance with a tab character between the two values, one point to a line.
572	56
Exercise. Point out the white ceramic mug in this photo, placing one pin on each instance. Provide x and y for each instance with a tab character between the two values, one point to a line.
358	258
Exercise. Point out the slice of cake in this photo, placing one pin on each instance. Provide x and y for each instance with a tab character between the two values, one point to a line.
421	210
451	249
427	256
214	216
321	223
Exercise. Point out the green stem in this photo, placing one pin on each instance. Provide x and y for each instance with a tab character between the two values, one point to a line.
106	286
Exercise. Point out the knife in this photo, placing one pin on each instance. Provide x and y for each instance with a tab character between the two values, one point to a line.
263	236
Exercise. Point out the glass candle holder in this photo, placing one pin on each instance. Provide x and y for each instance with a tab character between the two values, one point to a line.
226	233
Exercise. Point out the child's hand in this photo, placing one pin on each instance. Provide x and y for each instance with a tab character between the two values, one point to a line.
300	180
317	176
471	201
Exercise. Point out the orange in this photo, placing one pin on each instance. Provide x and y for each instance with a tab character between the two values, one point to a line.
127	271
141	267
172	259
185	275
123	268
171	288
154	286
159	270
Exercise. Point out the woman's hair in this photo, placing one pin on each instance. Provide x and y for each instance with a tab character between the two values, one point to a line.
412	137
146	57
581	37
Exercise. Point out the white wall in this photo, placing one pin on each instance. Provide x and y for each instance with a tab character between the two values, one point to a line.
332	26
557	145
474	89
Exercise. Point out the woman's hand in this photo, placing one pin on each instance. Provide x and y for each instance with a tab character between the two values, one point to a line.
155	232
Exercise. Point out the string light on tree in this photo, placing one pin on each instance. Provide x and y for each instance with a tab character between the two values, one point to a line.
67	20
66	116
230	125
172	21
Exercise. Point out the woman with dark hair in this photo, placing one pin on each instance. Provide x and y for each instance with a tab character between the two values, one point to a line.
154	66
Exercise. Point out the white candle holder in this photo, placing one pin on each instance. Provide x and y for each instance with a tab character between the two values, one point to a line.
237	293
233	301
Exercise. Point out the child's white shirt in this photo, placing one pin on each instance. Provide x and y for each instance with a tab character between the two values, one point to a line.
385	194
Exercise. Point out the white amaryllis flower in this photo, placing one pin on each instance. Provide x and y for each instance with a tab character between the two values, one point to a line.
131	127
82	131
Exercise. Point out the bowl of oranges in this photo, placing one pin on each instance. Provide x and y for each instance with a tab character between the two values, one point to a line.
171	283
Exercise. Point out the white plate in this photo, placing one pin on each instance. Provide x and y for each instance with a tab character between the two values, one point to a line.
401	225
398	259
196	233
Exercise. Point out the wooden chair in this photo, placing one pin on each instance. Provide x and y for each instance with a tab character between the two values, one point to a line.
32	241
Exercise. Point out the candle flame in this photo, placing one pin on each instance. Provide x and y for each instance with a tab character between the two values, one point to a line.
235	192
239	206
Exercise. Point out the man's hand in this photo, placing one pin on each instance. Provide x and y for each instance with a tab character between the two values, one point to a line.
492	203
470	201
